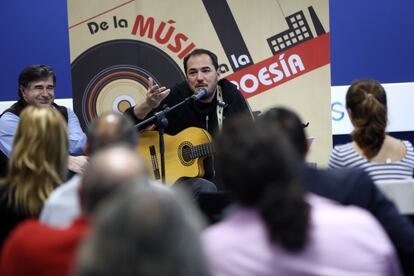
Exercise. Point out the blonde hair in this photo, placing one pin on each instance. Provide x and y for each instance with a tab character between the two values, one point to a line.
38	162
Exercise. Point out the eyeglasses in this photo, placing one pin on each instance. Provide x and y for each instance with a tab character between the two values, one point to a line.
41	88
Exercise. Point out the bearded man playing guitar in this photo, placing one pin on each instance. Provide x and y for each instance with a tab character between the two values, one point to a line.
222	100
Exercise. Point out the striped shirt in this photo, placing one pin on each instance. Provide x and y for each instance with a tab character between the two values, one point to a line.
346	156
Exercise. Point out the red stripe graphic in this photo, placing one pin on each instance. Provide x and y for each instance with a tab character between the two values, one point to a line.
283	67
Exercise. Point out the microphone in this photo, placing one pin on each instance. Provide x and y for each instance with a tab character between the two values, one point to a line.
201	93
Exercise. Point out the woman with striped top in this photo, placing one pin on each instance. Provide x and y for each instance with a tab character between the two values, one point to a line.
380	155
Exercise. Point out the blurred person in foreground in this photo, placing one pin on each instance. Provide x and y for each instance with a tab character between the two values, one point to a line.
144	231
348	186
62	207
38	165
34	248
276	229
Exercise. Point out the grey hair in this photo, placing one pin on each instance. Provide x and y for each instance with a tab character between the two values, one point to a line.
143	231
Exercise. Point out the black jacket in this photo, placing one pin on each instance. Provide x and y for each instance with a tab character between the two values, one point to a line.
197	114
355	187
10	217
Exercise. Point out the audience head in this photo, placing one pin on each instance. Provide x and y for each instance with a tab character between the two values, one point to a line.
110	128
366	103
37	85
256	163
142	231
108	169
292	126
38	162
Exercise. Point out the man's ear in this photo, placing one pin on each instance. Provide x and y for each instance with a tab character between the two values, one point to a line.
21	91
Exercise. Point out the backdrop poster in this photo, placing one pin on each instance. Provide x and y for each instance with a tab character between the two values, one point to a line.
276	52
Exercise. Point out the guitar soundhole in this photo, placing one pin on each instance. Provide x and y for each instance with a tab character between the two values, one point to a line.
185	153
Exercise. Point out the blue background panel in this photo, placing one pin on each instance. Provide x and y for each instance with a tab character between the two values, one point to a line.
371	39
368	39
34	32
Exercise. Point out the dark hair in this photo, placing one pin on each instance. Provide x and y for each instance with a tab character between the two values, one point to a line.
256	163
291	124
111	128
143	231
367	102
197	52
33	73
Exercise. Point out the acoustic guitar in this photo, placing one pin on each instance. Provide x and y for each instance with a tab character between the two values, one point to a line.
184	153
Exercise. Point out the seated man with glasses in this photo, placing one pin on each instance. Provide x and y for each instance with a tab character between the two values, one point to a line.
36	86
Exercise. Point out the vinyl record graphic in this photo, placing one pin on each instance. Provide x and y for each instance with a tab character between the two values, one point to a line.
112	76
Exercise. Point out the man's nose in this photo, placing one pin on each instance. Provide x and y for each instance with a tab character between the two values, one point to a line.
45	92
200	75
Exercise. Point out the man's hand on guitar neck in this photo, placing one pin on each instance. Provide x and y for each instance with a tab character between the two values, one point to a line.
155	95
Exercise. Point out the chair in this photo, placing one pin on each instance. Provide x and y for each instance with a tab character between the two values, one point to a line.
401	192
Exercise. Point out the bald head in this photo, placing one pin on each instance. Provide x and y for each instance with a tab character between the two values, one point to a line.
107	171
108	129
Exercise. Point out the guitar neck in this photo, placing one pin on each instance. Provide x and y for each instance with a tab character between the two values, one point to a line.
200	150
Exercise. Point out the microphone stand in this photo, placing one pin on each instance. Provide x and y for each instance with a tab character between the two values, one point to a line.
161	121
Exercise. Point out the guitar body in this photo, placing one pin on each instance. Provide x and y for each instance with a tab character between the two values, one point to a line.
184	153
